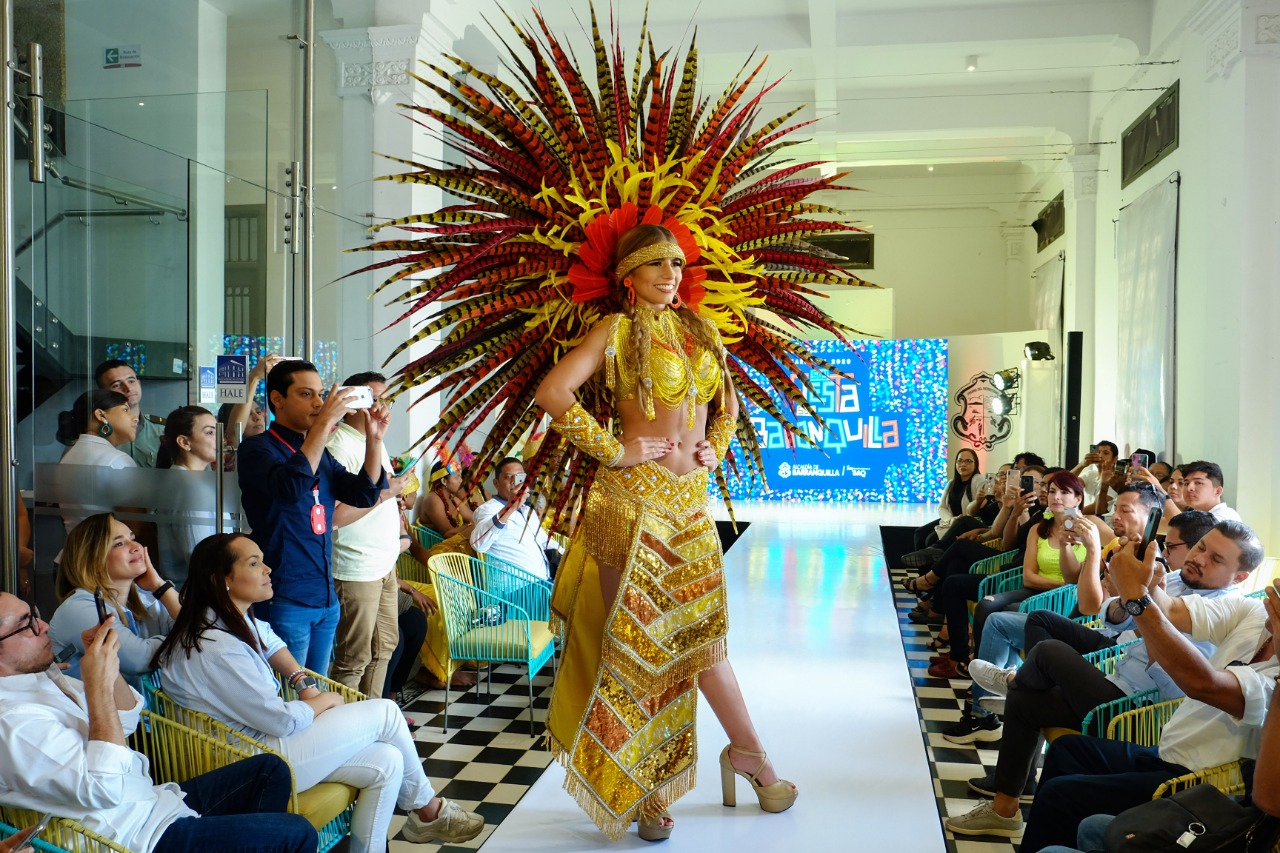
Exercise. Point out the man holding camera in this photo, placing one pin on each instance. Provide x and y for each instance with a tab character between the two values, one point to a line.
506	528
290	485
366	545
62	743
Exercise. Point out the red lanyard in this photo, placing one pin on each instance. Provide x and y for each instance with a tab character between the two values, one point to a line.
319	524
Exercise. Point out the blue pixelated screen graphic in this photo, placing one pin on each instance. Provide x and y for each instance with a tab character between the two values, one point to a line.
886	428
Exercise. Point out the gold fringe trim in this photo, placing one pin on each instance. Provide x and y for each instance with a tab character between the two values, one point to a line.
641	680
616	826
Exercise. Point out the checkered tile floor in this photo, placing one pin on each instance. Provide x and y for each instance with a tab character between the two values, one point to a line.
487	760
940	702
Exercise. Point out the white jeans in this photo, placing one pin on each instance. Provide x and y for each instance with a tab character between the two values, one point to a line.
365	745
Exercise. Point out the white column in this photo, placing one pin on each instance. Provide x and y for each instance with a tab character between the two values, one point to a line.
1079	301
1228	405
373	65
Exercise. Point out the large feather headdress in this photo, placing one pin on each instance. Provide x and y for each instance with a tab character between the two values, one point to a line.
559	163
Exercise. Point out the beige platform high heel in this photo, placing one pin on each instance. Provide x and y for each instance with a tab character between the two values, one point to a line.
778	797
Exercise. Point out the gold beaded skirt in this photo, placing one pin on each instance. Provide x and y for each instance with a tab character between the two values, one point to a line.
622	717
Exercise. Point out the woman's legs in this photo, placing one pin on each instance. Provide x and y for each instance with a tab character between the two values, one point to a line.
365	745
720	686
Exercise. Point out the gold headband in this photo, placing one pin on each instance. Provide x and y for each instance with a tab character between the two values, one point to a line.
646	254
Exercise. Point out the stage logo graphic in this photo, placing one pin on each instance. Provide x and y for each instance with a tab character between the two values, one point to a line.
784	470
976	424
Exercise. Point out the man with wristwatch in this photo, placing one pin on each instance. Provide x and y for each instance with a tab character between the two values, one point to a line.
1219	721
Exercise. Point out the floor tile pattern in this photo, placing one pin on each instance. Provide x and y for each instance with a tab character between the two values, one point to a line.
940	703
487	760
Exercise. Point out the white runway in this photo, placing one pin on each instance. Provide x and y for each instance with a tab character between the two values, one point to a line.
815	642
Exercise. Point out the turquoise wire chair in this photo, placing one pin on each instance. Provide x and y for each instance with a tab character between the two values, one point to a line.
1097	721
493	613
426	537
1061	600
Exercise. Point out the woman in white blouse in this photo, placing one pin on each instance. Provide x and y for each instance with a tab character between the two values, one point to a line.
222	661
98	422
102	554
189	445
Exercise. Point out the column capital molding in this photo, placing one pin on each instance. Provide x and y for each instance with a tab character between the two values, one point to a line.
1079	173
371	59
1235	29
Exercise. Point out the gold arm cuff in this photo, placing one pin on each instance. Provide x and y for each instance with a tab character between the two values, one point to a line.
721	433
578	426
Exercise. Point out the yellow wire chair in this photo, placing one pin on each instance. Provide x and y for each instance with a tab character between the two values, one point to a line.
1143	726
327	806
493	613
175	752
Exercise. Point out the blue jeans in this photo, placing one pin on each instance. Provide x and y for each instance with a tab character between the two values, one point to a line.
1085	776
307	631
1002	638
258	786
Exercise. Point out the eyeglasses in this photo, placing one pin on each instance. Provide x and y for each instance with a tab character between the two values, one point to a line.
1169	546
30	626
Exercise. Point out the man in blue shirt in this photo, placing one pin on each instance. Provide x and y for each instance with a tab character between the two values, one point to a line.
289	484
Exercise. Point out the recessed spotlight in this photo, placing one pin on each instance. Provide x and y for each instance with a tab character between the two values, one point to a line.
930	168
142	103
971	62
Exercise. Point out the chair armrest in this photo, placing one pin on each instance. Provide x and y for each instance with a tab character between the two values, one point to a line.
62	833
1227	778
1142	726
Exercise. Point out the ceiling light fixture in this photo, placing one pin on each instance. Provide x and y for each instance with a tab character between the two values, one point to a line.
971	62
930	168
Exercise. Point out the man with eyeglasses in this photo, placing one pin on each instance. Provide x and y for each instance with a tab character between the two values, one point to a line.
63	747
506	528
1202	489
1056	687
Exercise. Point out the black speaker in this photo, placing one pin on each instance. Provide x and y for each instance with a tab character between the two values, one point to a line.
1071	423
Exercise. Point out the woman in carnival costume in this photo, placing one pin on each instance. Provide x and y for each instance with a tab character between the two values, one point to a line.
610	252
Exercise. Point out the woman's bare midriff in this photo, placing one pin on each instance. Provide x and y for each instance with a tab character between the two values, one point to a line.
669	423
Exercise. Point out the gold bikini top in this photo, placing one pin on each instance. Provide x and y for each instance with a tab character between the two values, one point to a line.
680	371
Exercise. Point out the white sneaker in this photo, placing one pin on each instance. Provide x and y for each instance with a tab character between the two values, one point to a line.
983	820
451	826
990	677
994	704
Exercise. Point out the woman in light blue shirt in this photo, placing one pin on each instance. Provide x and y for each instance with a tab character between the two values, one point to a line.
102	553
221	661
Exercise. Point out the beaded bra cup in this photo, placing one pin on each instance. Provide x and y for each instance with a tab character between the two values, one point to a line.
680	370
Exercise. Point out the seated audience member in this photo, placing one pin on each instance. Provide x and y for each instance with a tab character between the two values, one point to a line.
1202	489
1005	633
1159	477
1026	460
116	375
508	529
62	744
975	524
433	648
1060	687
26	556
443	505
1056	687
102	554
189	444
95	427
1050	559
222	661
1175	488
959	557
1091	837
960	492
1096	468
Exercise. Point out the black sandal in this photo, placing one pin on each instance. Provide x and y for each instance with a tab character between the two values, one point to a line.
912	585
938	644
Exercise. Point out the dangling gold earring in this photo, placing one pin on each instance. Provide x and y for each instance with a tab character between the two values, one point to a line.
631	291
